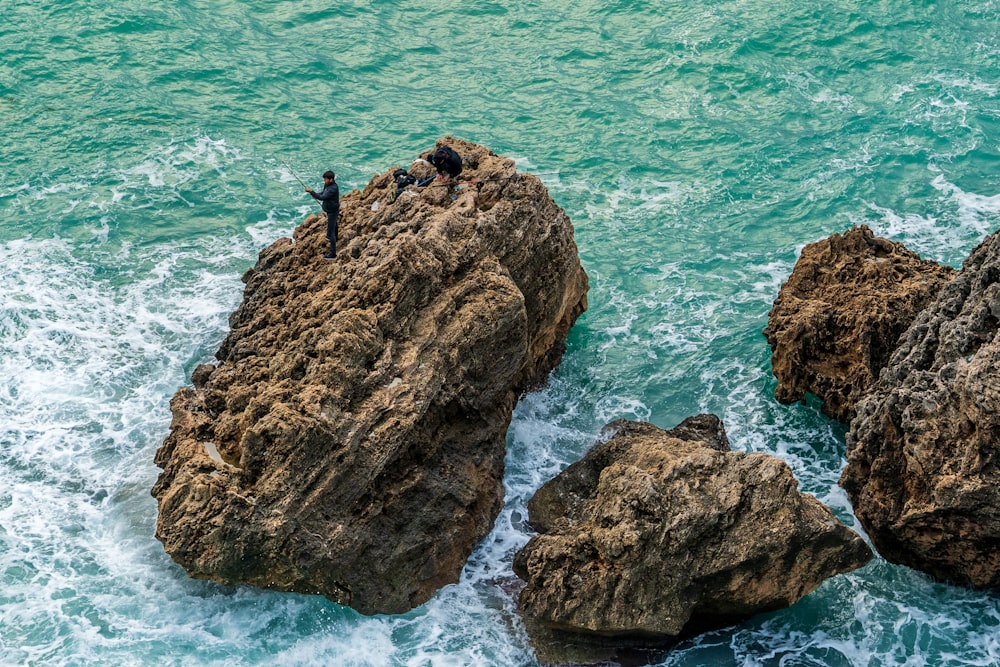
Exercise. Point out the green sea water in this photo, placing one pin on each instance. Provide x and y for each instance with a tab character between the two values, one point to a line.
696	147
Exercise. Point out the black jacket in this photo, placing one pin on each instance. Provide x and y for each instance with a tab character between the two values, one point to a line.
330	198
447	161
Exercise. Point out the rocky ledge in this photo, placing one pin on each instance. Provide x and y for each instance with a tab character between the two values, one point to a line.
838	317
349	440
658	534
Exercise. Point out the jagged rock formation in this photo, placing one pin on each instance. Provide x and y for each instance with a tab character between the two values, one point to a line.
838	318
657	534
923	467
350	439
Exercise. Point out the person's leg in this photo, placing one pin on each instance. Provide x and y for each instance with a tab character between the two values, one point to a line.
331	236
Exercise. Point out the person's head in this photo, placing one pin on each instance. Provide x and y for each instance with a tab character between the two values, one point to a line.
329	176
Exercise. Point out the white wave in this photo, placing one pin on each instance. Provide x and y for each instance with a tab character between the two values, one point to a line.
770	276
964	80
180	162
523	163
980	213
861	159
812	88
277	223
970	217
924	233
366	645
901	90
88	367
14	189
550	429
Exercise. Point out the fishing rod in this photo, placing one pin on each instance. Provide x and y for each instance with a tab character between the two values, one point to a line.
292	172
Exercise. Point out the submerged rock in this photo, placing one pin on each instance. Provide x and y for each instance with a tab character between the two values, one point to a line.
839	316
659	534
923	460
350	440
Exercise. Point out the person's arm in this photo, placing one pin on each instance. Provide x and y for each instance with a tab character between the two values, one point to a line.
436	161
329	192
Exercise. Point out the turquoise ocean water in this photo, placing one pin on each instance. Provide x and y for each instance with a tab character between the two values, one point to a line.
696	146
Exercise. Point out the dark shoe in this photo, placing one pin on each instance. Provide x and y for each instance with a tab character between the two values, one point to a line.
329	256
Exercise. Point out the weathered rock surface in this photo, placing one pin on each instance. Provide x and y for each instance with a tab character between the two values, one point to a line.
350	439
839	316
657	534
923	467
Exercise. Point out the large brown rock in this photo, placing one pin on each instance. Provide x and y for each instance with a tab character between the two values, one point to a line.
350	439
923	460
838	318
657	534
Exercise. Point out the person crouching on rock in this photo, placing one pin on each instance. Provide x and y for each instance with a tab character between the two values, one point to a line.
330	196
447	162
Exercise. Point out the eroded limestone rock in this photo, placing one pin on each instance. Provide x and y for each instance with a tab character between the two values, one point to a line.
839	316
350	439
923	467
657	534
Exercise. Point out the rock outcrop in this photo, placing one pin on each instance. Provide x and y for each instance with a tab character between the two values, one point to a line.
658	534
923	467
839	316
350	439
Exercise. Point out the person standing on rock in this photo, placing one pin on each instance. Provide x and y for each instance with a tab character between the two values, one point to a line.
447	162
330	196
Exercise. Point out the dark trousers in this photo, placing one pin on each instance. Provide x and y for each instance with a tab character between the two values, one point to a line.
331	231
